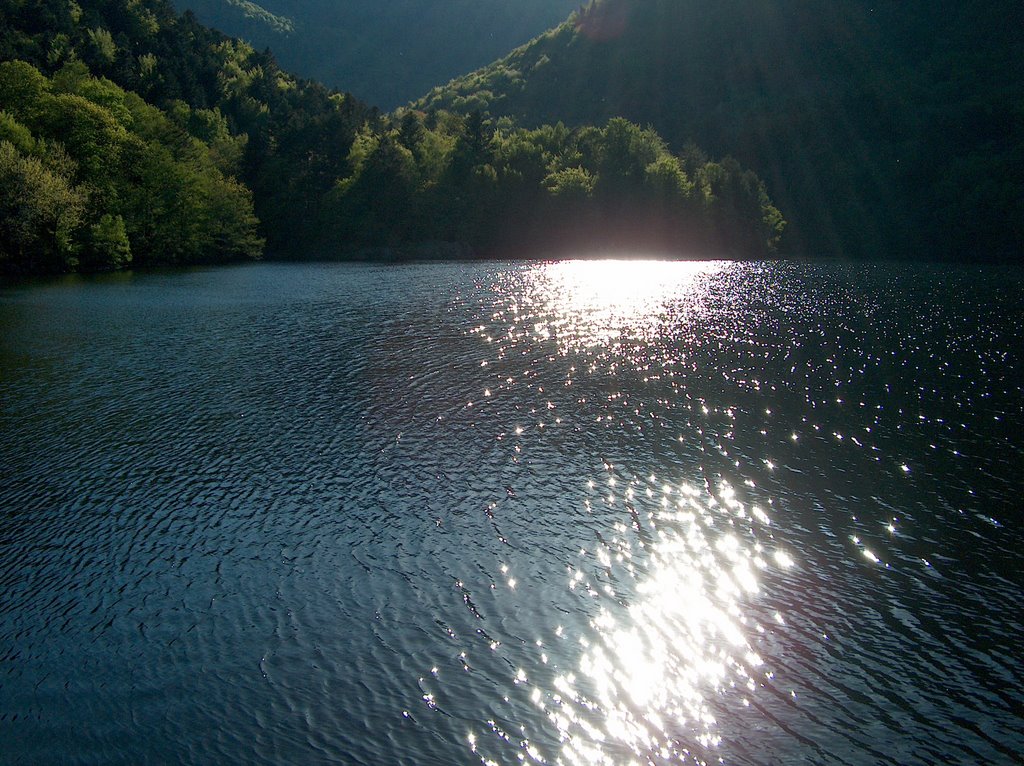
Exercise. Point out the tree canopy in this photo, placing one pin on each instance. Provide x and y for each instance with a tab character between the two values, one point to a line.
96	179
132	135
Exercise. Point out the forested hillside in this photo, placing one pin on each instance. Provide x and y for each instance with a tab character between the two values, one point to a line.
384	53
92	175
130	135
891	129
137	102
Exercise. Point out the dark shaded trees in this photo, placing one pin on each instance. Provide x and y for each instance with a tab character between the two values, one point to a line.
882	129
511	190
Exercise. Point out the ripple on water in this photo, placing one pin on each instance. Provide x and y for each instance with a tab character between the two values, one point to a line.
577	512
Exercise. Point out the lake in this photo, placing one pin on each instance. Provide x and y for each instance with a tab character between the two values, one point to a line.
602	512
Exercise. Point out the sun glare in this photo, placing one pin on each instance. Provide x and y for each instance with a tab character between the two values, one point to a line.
593	302
650	677
625	283
672	649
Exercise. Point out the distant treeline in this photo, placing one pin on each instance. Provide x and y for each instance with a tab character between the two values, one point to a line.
130	135
442	177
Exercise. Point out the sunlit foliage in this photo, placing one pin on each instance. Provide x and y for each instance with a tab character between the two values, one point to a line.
94	178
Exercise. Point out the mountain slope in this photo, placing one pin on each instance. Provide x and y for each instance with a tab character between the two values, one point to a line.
130	135
155	123
385	53
882	129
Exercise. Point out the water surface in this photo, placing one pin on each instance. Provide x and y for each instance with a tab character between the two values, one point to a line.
575	512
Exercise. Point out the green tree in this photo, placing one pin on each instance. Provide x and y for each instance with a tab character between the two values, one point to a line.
17	134
623	154
40	212
106	246
376	205
667	181
571	184
22	87
92	136
101	50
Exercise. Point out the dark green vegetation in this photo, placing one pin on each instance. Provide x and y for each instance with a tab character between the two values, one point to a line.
502	188
882	129
384	52
128	133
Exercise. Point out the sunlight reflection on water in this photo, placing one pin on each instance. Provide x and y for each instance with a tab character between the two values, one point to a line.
590	303
675	632
560	513
646	672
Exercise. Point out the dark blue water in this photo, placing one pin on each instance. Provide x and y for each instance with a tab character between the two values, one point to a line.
574	513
